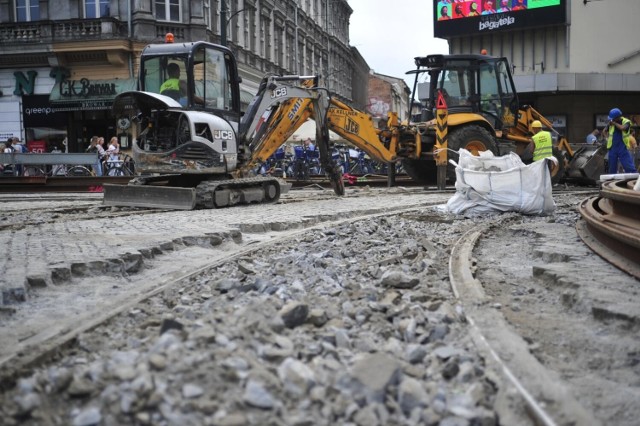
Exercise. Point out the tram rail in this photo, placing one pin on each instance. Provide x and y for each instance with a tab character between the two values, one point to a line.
611	224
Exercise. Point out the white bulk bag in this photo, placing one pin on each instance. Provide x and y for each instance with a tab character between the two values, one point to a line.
486	184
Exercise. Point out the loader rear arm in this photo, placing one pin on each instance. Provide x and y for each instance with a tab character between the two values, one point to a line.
390	144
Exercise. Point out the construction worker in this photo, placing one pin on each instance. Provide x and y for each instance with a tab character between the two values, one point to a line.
618	133
173	86
541	144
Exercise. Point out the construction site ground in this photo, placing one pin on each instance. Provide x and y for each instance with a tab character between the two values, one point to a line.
69	258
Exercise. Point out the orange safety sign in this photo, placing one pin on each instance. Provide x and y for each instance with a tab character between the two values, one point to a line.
440	102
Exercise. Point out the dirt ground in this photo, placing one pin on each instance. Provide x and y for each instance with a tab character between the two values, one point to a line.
578	313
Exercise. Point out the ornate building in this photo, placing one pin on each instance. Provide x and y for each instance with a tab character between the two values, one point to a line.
63	62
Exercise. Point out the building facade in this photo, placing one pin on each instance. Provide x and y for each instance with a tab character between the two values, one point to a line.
572	60
387	94
62	63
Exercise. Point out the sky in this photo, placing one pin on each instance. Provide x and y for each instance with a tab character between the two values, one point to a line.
390	33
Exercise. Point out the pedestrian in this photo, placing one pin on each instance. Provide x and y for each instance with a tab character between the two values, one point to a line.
8	146
101	152
308	145
93	148
19	148
541	145
113	159
592	137
8	149
618	133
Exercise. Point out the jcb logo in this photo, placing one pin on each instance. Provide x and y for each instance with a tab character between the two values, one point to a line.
278	93
223	134
351	126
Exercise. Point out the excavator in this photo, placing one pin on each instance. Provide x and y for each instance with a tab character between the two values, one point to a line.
195	148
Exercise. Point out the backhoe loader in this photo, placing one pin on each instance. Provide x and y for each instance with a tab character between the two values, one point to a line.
484	114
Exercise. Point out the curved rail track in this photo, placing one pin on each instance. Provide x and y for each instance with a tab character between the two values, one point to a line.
544	395
611	224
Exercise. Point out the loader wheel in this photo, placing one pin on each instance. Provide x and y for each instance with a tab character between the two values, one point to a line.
557	171
420	171
474	139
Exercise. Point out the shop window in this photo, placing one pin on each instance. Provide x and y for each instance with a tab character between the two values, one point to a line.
27	10
167	10
46	139
96	8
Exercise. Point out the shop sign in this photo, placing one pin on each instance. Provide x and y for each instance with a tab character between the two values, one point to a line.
558	121
84	88
89	94
23	84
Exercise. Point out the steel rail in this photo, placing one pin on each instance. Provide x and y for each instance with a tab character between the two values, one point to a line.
546	399
611	225
58	183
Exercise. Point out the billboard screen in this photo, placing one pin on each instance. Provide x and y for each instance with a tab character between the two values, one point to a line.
461	17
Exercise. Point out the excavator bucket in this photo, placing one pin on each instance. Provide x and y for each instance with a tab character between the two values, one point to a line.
160	197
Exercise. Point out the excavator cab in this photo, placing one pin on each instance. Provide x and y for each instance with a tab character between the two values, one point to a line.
471	84
200	76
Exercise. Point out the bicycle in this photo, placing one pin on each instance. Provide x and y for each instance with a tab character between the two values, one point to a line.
59	170
123	166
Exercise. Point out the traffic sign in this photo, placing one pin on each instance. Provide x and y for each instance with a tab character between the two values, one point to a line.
440	102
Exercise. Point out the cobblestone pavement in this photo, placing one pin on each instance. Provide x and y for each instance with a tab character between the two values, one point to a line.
41	254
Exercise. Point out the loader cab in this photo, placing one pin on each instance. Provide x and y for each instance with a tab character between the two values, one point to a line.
200	76
471	84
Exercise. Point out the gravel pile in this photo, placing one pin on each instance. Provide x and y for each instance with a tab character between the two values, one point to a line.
354	324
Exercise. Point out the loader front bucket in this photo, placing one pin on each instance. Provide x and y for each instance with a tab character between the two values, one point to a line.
159	197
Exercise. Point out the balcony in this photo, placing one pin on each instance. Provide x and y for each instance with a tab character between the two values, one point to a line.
42	32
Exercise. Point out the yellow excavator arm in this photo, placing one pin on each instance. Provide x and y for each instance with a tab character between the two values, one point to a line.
388	145
276	122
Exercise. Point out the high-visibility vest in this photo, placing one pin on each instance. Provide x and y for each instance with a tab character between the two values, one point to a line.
543	145
170	84
625	133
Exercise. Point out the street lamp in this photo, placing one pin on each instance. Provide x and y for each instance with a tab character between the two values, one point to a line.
224	21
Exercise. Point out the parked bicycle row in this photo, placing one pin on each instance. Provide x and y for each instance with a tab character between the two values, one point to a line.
301	162
19	162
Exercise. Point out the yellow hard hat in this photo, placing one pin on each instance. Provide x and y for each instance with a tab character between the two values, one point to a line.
536	124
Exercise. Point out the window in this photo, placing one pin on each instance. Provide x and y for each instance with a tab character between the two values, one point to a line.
96	8
212	81
168	10
27	10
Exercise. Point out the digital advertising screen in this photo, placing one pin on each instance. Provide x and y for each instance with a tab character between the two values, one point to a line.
461	17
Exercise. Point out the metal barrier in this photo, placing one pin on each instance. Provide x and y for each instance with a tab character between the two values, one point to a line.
49	158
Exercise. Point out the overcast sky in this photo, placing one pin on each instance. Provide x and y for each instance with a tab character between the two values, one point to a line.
390	33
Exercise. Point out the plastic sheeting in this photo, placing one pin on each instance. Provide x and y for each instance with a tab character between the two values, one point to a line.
489	184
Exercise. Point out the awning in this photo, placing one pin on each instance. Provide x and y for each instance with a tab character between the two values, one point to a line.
88	95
